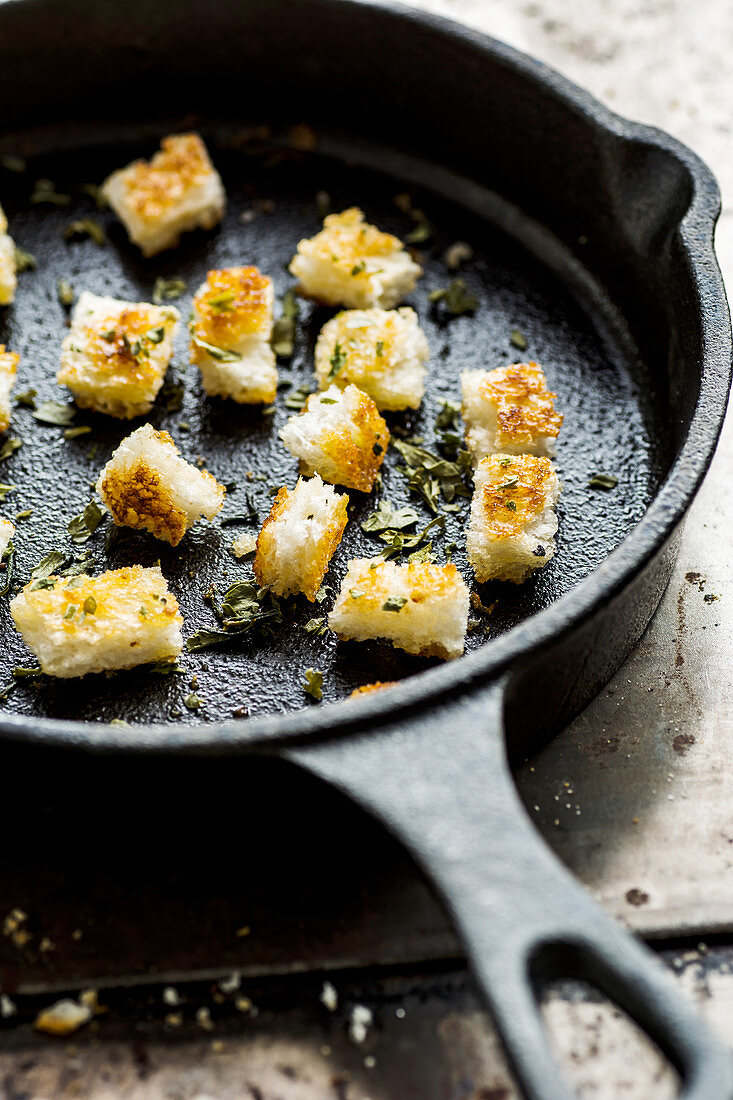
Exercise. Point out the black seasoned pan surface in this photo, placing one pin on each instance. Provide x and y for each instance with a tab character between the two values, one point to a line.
277	194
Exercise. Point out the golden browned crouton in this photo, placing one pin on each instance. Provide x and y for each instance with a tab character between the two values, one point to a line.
299	537
509	410
148	486
178	190
230	335
512	517
352	263
339	435
419	607
120	619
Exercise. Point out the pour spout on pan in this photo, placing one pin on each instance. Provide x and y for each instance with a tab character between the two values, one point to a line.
441	784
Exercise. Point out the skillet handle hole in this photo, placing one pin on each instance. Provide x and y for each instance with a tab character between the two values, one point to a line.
601	1050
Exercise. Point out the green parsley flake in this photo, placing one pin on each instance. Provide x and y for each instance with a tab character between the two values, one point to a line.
313	685
24	261
65	292
54	413
86	227
394	603
518	340
283	331
192	701
9	447
456	298
603	481
167	290
220	354
338	361
82	527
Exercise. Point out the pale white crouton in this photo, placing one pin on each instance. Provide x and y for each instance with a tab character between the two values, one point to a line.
419	607
8	277
381	351
299	537
352	263
8	370
230	335
122	618
339	435
509	410
178	190
7	530
147	485
512	517
116	353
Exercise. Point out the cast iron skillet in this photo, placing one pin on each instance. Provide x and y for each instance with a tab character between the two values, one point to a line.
590	234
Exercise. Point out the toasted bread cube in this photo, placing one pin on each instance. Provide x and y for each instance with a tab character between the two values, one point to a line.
81	624
513	517
419	607
352	263
381	351
148	486
339	435
230	335
115	355
299	538
178	190
369	689
509	410
8	370
7	530
8	277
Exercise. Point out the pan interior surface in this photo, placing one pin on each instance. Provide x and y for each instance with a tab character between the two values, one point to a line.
614	423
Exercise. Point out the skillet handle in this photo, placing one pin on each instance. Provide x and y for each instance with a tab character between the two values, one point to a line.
441	784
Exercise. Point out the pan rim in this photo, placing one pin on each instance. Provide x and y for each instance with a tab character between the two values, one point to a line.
528	638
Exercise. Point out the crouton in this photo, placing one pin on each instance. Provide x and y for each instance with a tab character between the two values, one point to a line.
339	435
8	278
509	410
8	370
148	486
230	335
352	263
299	537
178	190
7	530
369	689
419	607
383	352
512	517
81	624
116	354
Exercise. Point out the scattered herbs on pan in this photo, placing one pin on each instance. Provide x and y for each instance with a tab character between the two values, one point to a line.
18	674
54	413
24	261
6	574
298	398
245	606
220	354
458	253
388	518
423	230
13	163
26	399
82	527
394	603
26	514
9	447
313	685
603	481
65	292
316	626
86	227
45	191
74	433
4	490
167	290
94	191
338	361
518	340
397	541
429	475
192	701
283	331
456	298
446	425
